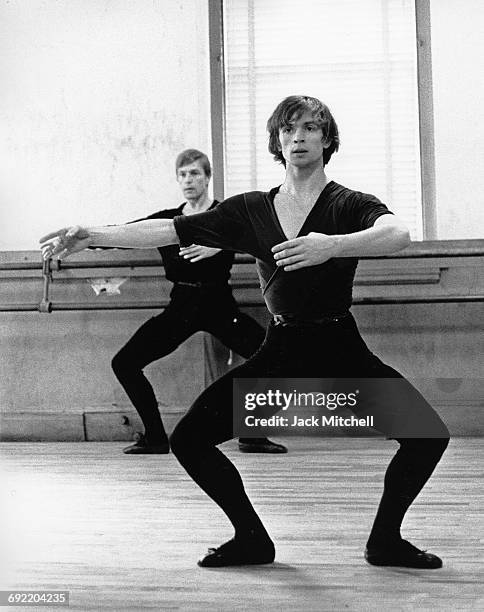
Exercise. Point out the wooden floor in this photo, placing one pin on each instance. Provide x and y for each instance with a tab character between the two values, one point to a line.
124	533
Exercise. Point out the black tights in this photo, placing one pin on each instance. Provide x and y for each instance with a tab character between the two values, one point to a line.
332	350
190	310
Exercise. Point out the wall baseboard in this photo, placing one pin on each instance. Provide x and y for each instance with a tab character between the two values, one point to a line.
90	425
101	424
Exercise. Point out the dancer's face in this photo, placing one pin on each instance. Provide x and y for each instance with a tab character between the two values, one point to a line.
302	141
193	181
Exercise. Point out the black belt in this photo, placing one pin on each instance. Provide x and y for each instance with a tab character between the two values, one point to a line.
300	321
202	284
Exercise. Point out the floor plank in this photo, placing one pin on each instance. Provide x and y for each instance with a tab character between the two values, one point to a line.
124	532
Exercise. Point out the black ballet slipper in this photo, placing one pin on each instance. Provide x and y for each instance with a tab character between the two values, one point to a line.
260	445
402	554
143	447
235	552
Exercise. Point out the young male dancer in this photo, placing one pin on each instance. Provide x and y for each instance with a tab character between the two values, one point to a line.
306	236
201	299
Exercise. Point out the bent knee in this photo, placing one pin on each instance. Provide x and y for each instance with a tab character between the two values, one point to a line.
126	362
441	438
182	440
118	363
176	441
430	448
437	446
190	438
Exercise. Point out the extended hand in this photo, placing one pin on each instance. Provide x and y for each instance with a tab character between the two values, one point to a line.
64	242
305	251
195	252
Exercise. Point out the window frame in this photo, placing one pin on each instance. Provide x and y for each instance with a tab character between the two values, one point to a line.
425	108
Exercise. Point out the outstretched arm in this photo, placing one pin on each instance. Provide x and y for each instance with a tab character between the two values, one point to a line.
387	236
141	235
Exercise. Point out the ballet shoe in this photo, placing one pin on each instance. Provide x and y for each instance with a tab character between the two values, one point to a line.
235	552
402	554
142	447
260	445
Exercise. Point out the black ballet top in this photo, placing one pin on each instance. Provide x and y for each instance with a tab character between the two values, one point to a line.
248	223
214	269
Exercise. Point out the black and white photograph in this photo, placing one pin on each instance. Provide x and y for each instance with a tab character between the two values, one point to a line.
241	305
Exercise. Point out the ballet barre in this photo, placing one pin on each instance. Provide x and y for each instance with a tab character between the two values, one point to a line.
49	268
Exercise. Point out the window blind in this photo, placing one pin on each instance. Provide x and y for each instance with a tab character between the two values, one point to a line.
357	56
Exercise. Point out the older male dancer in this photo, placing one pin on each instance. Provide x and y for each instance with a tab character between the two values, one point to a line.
306	236
201	299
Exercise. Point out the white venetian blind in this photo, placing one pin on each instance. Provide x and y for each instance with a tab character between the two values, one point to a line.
357	56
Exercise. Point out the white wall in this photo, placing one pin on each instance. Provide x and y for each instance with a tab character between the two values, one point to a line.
458	83
97	98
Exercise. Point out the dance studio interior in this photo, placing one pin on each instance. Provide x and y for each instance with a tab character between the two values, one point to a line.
99	99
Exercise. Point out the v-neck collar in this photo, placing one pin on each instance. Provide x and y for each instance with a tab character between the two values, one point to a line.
182	206
307	220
